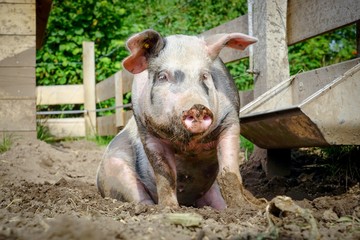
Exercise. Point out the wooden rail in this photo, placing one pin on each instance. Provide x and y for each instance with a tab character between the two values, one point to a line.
112	87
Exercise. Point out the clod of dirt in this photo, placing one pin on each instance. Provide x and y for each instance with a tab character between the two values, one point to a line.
184	219
281	206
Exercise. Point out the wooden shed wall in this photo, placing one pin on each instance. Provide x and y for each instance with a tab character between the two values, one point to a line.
17	67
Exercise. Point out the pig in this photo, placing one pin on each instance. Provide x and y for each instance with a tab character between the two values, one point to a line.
181	146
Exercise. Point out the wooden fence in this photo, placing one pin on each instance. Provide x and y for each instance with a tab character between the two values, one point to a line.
88	94
299	20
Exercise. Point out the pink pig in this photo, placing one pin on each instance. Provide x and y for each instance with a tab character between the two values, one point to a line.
184	134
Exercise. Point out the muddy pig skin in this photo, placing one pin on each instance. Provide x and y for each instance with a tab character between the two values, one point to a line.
185	130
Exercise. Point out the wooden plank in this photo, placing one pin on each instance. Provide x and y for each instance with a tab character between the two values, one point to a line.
106	125
305	84
12	45
65	127
105	89
309	18
246	97
358	38
17	19
15	134
64	94
123	84
127	116
17	83
270	60
22	59
119	99
17	115
89	87
43	8
17	1
127	79
239	24
270	52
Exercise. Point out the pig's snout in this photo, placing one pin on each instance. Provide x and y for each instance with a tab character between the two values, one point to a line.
197	119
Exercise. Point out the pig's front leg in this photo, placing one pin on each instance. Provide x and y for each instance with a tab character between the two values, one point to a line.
162	160
229	178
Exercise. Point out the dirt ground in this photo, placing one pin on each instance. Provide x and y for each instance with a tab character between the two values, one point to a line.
48	192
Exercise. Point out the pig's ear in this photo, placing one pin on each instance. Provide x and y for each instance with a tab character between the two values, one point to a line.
237	41
142	46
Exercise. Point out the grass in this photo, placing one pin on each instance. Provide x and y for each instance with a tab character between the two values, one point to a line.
6	143
246	146
43	133
100	140
342	162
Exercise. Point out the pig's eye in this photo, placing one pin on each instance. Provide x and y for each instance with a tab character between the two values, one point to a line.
162	76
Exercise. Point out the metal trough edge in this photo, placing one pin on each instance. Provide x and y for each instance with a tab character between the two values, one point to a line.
329	116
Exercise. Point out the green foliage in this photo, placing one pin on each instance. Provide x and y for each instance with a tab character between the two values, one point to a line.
323	50
110	23
341	162
246	146
6	143
238	69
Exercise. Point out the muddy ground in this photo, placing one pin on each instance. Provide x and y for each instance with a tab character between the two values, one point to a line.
48	192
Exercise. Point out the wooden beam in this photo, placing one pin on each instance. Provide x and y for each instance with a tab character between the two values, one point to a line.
17	1
65	127
11	46
17	83
309	18
106	125
43	8
127	80
89	87
270	52
105	89
270	62
358	38
17	115
123	83
25	58
64	94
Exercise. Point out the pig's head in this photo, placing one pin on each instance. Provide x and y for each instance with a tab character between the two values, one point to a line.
181	80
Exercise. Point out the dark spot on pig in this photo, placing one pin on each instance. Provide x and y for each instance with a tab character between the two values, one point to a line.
151	96
138	156
219	74
152	89
179	76
205	87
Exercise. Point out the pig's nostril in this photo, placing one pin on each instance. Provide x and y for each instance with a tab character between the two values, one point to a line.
207	118
190	118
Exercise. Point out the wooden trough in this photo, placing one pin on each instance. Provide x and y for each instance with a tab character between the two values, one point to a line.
325	110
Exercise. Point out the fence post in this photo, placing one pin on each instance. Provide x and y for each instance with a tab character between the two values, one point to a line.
89	88
270	62
119	92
